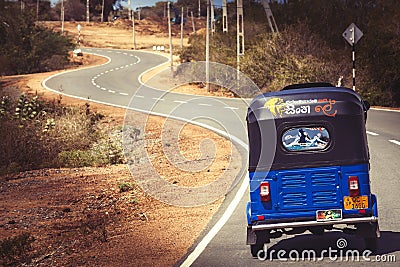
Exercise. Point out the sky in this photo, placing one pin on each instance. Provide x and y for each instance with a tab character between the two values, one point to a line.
137	3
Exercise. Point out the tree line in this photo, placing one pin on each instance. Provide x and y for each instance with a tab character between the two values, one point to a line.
310	46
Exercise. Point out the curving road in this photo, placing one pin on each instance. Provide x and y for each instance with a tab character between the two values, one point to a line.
223	243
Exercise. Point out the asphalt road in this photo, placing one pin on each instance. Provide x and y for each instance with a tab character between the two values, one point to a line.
223	242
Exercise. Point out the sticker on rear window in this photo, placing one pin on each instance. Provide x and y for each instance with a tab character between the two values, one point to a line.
305	139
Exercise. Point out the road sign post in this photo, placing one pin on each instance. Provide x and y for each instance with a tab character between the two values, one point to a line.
79	27
352	35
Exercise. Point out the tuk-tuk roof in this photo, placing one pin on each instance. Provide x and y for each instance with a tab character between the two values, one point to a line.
338	110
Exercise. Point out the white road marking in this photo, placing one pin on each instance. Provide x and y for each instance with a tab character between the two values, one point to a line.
386	109
202	104
111	91
104	89
106	71
123	93
233	108
181	102
158	99
395	142
126	66
372	133
217	227
98	86
139	96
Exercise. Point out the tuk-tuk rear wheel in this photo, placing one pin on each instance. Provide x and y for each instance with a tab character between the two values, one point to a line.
262	237
371	243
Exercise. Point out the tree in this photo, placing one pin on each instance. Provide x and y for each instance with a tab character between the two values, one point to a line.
25	47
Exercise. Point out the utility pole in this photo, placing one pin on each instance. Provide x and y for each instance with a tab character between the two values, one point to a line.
182	29
133	29
224	16
240	32
270	16
129	10
87	11
62	16
170	35
212	17
199	9
194	28
102	11
208	47
37	10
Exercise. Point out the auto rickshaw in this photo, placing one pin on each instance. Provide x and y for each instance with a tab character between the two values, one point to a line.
309	165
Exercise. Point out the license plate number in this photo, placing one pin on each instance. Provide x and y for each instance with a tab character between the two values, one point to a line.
329	215
355	203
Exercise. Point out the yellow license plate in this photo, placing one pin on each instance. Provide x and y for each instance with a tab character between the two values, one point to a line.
355	203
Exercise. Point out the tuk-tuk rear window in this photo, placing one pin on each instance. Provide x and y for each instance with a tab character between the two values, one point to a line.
305	139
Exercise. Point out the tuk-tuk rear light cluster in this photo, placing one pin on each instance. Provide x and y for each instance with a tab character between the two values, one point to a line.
354	187
265	191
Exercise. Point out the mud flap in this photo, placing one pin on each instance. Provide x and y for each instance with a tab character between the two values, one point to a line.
251	236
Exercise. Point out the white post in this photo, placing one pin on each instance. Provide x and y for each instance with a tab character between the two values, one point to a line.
208	47
224	16
102	11
182	29
212	17
87	11
194	28
240	32
133	29
170	35
199	8
129	10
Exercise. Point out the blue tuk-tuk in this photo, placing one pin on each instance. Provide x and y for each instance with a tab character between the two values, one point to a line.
309	165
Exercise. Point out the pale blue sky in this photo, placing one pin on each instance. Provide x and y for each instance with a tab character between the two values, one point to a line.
137	3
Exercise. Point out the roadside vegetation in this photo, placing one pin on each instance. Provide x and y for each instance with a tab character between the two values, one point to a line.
310	46
38	134
27	47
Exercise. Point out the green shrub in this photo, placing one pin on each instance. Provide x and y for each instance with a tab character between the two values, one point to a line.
125	186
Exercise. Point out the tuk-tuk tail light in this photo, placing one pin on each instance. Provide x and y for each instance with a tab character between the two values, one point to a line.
265	191
354	187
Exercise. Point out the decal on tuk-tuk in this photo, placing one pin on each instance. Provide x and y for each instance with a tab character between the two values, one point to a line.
279	107
305	138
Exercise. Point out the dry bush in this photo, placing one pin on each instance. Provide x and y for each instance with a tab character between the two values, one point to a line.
296	55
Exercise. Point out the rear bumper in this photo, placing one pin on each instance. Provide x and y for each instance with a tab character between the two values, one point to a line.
271	226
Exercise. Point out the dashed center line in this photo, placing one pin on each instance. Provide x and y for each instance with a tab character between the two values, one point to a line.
202	104
395	142
158	99
372	133
233	108
139	96
179	101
